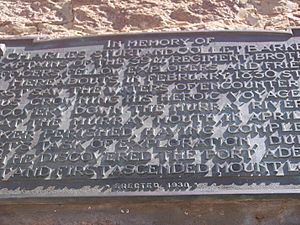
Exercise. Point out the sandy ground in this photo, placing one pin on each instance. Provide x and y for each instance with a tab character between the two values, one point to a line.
56	18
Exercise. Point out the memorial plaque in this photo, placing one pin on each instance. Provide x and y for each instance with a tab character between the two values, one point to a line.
150	114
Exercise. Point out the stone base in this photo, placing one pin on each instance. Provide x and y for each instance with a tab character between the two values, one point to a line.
144	211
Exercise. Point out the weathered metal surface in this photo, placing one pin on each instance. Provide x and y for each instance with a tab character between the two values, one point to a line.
190	211
150	114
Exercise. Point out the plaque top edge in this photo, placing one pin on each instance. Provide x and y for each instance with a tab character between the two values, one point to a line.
32	39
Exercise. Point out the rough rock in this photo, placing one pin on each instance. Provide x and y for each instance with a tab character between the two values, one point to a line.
55	18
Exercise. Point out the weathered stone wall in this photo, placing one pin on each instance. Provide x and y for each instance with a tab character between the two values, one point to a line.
55	18
85	17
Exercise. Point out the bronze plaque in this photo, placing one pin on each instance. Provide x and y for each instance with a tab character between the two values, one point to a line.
150	114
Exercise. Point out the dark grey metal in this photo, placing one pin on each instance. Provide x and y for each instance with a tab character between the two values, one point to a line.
150	114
